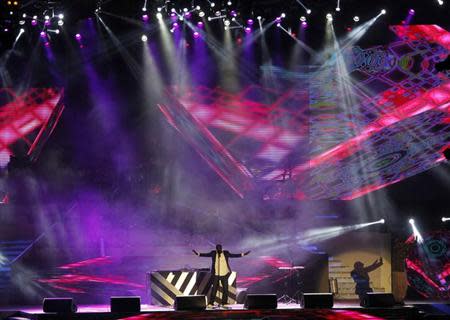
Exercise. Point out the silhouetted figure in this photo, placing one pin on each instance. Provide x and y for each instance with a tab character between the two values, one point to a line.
220	270
360	275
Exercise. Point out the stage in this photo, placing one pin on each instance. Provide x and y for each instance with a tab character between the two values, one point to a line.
341	310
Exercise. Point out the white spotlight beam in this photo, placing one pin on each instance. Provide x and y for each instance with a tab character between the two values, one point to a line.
304	7
416	232
307	48
445	219
322	234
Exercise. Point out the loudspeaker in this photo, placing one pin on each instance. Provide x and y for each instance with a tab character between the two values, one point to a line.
59	305
261	301
378	299
191	303
125	304
317	300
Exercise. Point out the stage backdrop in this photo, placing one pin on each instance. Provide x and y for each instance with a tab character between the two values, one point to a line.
365	247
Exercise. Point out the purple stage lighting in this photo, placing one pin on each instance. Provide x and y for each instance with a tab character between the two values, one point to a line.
278	20
145	17
47	44
304	24
173	16
47	23
34	23
248	30
78	36
233	13
175	25
188	15
412	11
196	35
200	24
43	34
250	22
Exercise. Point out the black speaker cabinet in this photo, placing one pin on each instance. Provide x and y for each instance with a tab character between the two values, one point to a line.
261	301
59	305
190	303
125	304
378	299
317	300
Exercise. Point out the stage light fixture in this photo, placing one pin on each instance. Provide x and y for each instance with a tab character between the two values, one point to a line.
198	8
303	18
159	9
248	30
283	15
445	219
61	16
196	35
356	18
441	2
382	221
329	17
34	22
78	36
159	16
22	30
43	34
229	3
411	221
338	9
212	4
259	17
227	23
308	11
24	15
35	17
250	22
411	11
46	18
201	14
144	9
21	22
144	38
383	11
60	23
57	31
209	18
185	10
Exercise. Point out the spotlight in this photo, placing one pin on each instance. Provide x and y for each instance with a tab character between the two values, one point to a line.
60	23
248	30
35	17
47	17
145	9
278	19
144	38
411	221
197	8
43	34
159	15
227	23
209	18
145	17
22	30
304	24
356	18
200	24
57	31
61	16
383	11
382	221
338	9
250	22
22	22
259	18
411	11
308	11
445	219
201	14
34	23
441	2
196	35
283	15
24	15
159	9
185	10
302	18
229	3
329	17
213	4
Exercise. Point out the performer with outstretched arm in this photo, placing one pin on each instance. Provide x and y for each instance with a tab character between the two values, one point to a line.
220	270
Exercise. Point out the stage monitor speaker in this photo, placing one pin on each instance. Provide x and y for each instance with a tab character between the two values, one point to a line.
378	299
125	304
59	305
261	301
317	300
190	303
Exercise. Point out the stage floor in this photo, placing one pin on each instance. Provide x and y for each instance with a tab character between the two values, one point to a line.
341	310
